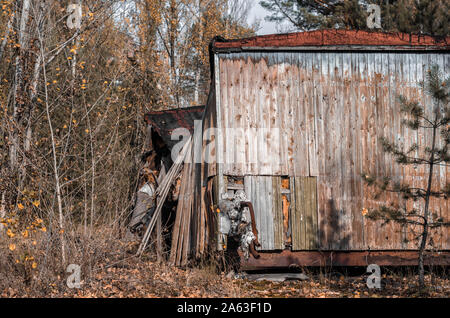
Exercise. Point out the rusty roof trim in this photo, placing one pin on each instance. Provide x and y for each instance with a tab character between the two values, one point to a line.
335	40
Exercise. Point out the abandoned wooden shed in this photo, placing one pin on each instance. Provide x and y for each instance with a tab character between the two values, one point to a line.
297	119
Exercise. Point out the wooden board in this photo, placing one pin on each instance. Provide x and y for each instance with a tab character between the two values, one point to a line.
304	213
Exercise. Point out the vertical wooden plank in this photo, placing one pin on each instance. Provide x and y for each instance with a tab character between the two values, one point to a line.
346	116
256	109
285	70
307	195
304	214
365	68
292	120
278	214
302	195
357	197
295	220
445	175
301	162
270	213
239	116
310	105
249	78
322	131
223	109
232	150
334	155
314	233
264	100
273	136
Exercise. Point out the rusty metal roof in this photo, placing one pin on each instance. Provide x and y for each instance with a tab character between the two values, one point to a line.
336	39
165	121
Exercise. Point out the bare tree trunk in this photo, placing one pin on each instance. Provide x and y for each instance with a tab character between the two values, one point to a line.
55	161
2	212
33	93
5	37
18	79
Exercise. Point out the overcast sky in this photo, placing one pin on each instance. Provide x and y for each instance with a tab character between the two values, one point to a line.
259	13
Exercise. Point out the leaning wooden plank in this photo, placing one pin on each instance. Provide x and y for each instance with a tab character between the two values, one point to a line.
178	219
187	240
185	217
203	211
159	247
162	193
183	212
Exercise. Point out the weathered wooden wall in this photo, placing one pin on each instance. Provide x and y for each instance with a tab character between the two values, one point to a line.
324	112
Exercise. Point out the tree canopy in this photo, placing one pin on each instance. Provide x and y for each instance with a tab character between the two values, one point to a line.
409	16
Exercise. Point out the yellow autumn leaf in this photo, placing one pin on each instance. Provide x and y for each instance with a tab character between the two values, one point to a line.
34	265
44	229
364	212
36	203
12	247
20	206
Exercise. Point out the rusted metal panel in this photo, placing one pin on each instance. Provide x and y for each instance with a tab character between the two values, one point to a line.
265	195
287	259
327	111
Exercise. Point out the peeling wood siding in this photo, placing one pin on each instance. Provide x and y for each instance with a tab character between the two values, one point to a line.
330	108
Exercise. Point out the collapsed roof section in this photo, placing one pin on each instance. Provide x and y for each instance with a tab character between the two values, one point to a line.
164	122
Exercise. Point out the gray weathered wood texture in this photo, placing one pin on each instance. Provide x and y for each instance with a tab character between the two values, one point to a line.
323	113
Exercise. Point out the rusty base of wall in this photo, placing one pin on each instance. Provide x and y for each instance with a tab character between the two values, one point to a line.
286	259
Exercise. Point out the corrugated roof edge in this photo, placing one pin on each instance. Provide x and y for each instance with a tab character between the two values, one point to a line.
344	39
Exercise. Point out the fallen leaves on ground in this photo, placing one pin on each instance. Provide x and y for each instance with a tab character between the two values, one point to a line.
120	275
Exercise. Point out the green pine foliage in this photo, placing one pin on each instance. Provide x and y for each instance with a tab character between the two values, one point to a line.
409	16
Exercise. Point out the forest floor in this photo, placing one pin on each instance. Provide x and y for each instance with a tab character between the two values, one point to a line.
121	275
